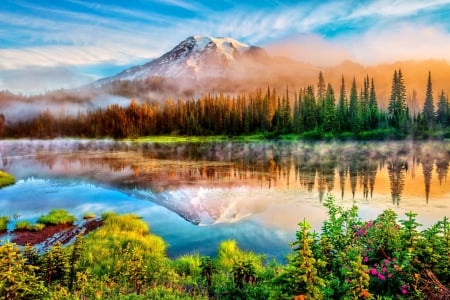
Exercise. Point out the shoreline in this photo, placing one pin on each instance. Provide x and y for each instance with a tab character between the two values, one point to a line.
50	235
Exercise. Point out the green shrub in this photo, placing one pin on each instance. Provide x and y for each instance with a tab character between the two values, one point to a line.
4	220
56	217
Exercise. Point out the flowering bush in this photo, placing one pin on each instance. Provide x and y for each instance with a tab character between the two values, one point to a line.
382	257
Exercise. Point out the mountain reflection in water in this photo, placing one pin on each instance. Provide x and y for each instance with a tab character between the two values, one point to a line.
407	174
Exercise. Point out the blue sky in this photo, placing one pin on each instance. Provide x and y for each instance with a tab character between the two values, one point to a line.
65	43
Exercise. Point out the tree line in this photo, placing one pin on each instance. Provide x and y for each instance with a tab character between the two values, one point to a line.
317	112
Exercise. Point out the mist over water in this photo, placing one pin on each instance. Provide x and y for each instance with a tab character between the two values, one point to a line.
196	195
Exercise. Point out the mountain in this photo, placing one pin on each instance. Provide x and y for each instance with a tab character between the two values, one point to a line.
197	57
200	65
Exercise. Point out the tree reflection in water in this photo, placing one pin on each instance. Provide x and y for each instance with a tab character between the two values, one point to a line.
292	165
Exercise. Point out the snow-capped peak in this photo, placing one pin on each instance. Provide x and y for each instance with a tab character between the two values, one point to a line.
195	57
223	44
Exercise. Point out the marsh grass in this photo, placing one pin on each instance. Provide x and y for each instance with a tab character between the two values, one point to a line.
57	217
22	225
27	226
174	139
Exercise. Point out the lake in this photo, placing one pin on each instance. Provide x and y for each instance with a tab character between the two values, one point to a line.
195	195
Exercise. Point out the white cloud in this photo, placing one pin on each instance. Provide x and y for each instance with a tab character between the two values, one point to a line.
51	56
395	7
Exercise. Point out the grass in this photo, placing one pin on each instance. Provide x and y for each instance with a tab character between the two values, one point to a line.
174	139
4	220
22	225
25	225
106	248
37	227
6	179
57	217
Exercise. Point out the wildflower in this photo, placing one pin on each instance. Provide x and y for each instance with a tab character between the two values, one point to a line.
373	271
366	259
381	276
390	275
364	294
386	262
383	269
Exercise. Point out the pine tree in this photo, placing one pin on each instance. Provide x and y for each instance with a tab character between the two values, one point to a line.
286	114
309	110
55	265
301	276
354	109
442	111
373	107
397	109
342	108
365	105
428	106
17	278
329	118
321	88
74	260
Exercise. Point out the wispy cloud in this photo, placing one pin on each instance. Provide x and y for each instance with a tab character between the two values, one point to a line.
49	56
79	32
188	5
395	7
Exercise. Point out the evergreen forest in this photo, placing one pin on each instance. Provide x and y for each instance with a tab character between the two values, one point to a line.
313	112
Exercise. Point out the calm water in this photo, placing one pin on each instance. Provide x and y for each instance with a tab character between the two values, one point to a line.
196	195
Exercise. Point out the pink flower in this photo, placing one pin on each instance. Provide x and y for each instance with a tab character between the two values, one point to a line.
381	276
386	262
389	275
383	269
366	259
404	291
373	271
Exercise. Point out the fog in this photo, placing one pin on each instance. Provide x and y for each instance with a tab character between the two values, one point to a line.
58	103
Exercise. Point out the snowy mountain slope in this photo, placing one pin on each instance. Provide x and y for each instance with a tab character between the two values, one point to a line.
196	57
